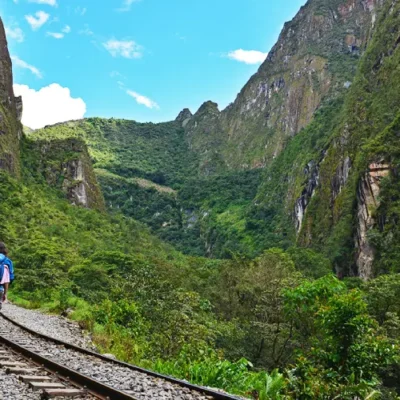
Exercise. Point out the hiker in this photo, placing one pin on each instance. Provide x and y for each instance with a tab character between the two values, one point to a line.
6	273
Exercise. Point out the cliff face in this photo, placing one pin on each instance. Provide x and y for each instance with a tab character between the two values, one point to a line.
314	59
368	201
361	156
10	112
66	165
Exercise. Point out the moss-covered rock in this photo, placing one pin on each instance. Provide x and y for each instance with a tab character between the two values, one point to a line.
65	164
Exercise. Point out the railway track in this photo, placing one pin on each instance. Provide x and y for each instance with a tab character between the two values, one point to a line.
86	374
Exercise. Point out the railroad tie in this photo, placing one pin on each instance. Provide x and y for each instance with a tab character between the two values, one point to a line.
12	364
46	385
52	393
24	371
34	378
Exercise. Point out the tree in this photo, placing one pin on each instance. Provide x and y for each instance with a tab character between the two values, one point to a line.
347	349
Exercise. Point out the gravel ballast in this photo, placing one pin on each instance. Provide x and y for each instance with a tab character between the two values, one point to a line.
138	384
50	325
12	389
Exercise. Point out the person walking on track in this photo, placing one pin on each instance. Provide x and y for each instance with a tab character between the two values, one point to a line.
6	273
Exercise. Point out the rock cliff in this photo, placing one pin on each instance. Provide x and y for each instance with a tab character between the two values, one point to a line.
184	117
368	201
66	165
10	112
314	59
343	212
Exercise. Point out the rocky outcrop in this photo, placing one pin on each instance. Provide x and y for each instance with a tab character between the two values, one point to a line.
367	202
19	108
204	134
66	164
184	117
10	112
340	177
311	171
75	182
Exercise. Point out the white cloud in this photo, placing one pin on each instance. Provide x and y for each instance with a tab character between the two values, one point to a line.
36	23
60	35
126	5
15	33
80	11
55	35
145	101
49	105
52	3
248	56
23	64
123	48
86	31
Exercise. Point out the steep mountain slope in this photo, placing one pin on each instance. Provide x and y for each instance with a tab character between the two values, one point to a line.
334	186
157	152
64	164
297	128
315	58
356	202
10	112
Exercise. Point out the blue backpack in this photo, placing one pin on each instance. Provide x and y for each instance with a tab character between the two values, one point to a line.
3	262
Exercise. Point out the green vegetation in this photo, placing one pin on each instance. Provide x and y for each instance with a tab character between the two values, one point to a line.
271	216
262	316
364	135
157	152
196	318
190	317
138	167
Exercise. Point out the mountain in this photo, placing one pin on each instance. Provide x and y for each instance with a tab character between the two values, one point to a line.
314	59
256	175
299	176
69	254
10	112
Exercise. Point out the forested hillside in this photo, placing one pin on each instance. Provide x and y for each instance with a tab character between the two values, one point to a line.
253	249
279	166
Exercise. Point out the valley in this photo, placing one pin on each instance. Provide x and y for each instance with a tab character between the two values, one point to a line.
253	249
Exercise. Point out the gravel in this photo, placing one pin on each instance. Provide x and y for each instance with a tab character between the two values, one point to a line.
140	385
12	389
50	325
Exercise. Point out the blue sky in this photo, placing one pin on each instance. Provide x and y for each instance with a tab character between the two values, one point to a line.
137	59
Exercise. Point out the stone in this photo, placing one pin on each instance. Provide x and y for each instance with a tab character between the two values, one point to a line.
111	356
184	117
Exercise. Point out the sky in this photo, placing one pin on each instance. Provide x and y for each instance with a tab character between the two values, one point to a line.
144	60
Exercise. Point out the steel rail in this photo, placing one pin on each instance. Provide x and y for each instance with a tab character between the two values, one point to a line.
92	386
200	389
